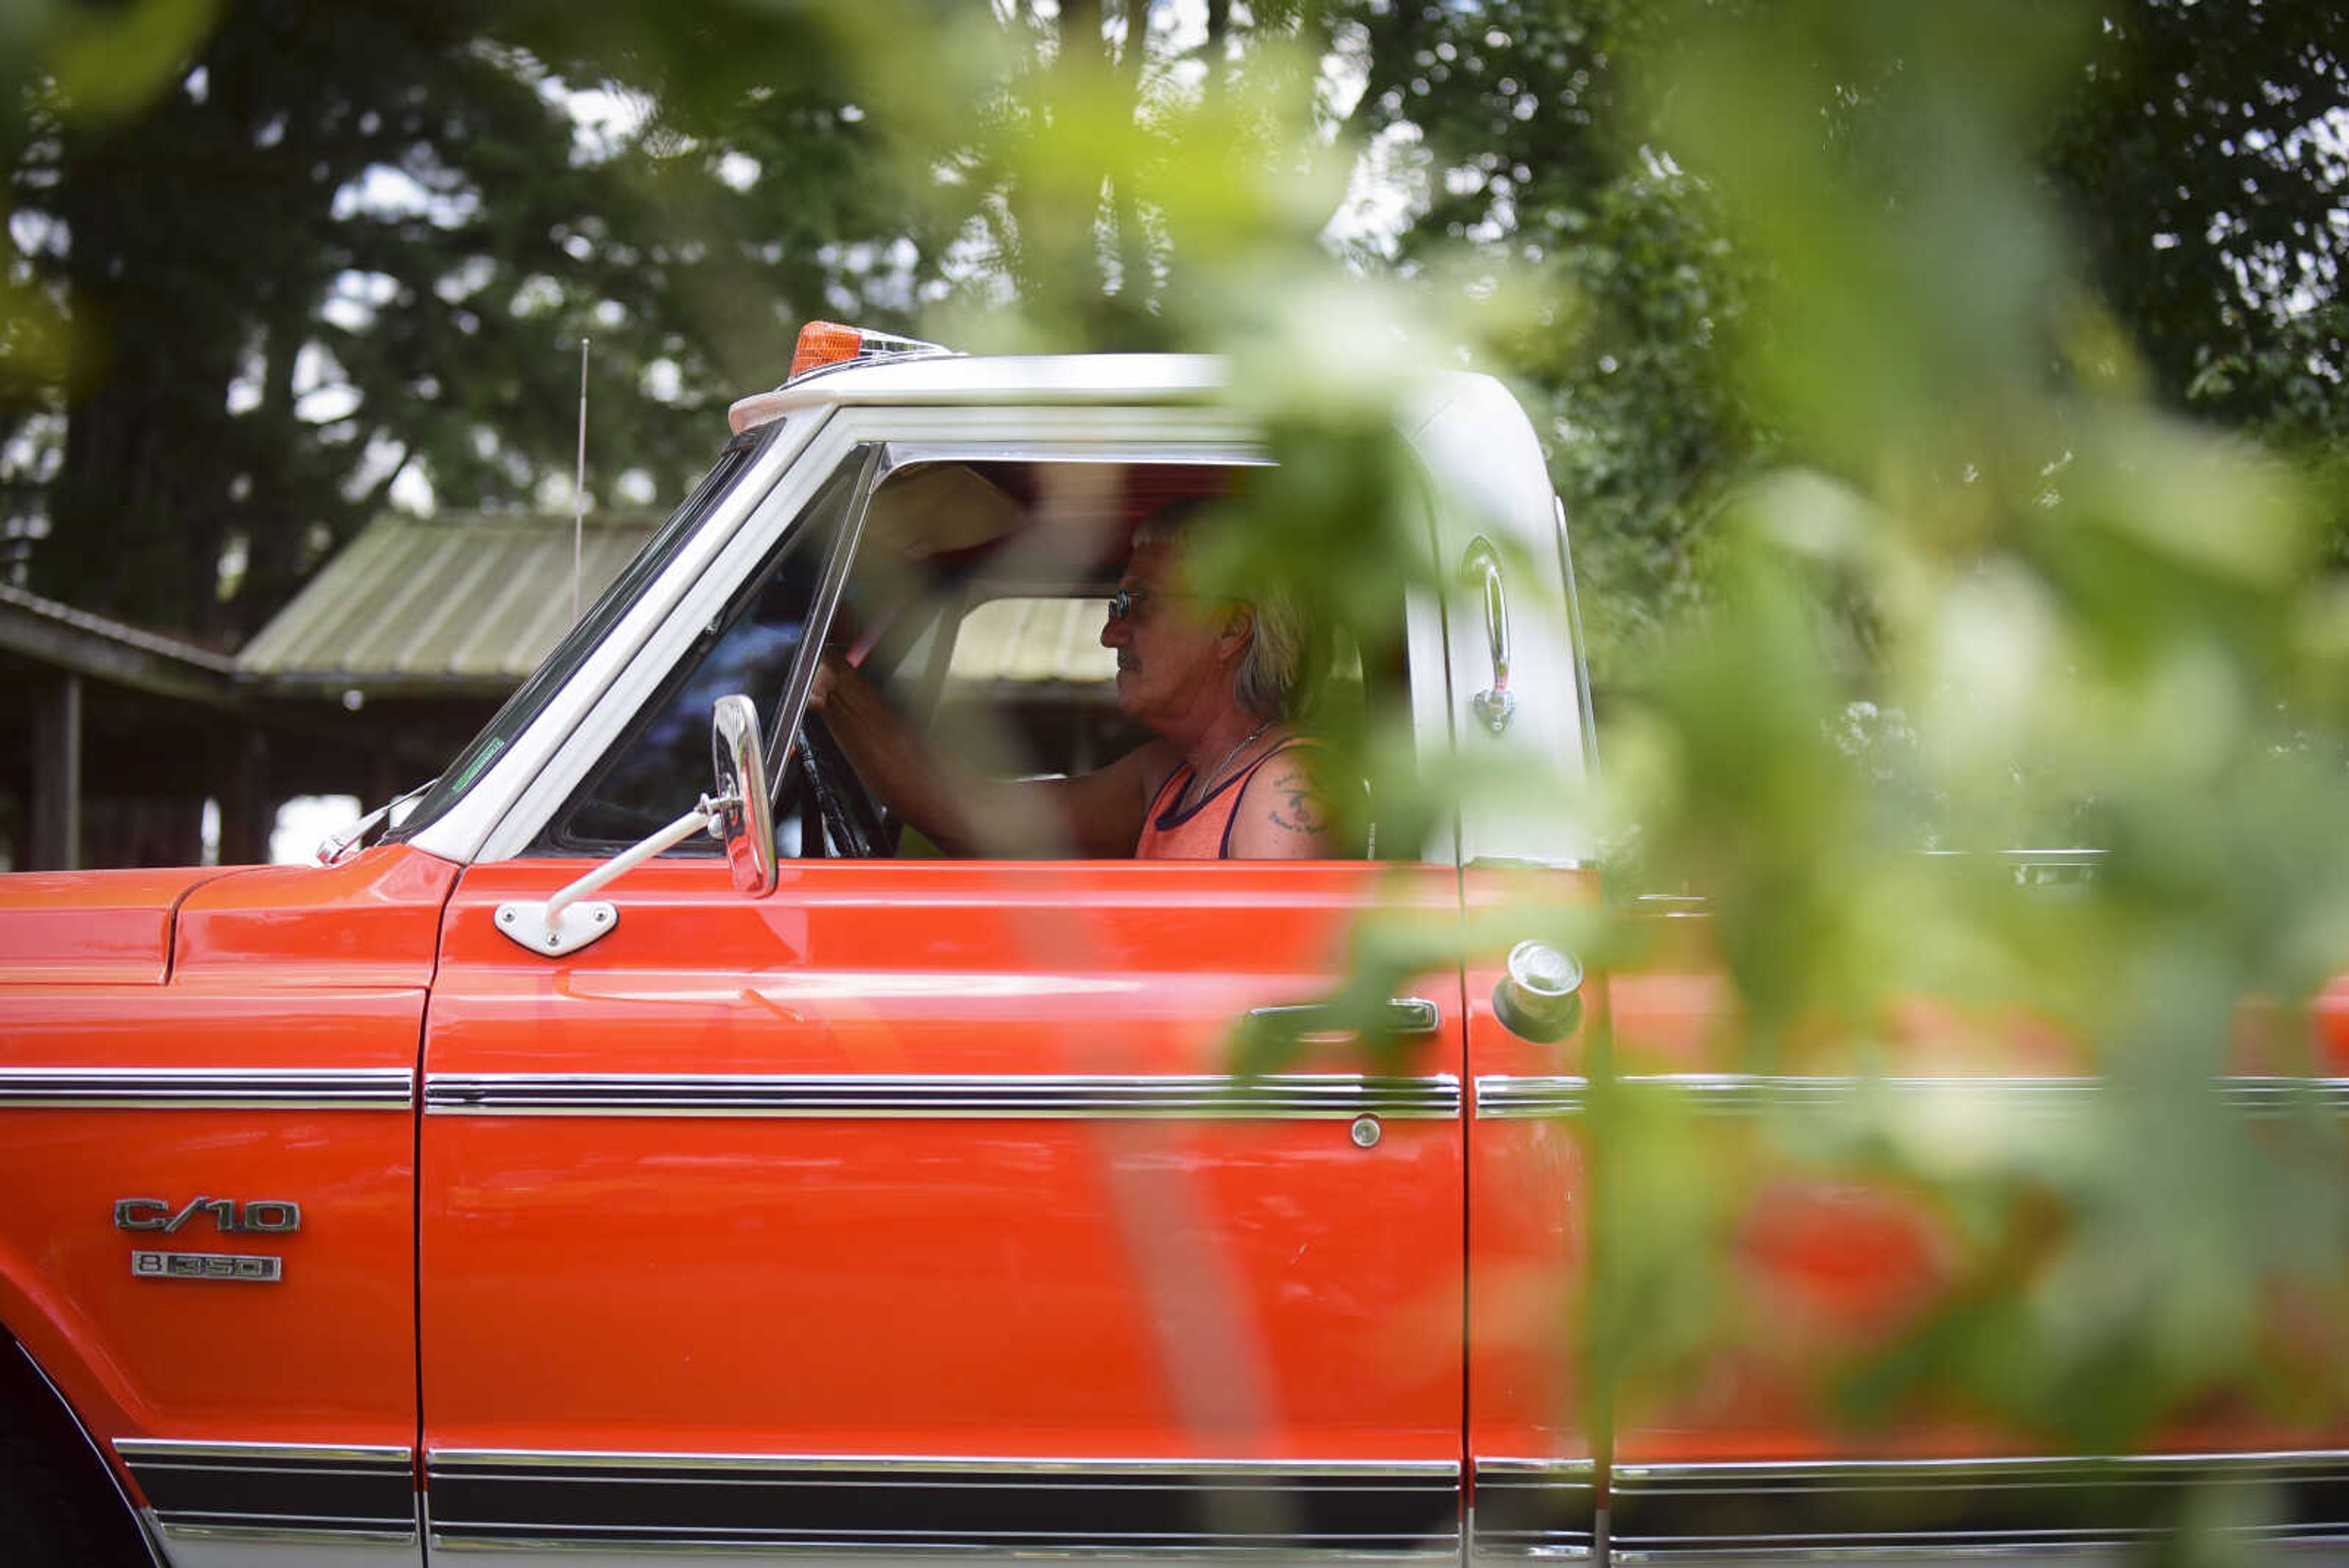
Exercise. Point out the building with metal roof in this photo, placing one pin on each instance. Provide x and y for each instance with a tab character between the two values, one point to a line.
447	607
372	676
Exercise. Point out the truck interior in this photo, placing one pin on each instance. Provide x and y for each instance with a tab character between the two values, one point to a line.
975	601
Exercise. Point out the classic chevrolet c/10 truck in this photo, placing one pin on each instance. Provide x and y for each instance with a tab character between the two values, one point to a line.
553	1178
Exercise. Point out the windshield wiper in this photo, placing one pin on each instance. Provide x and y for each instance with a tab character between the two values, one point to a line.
337	845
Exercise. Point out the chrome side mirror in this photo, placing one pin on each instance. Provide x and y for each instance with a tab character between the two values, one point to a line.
740	815
745	812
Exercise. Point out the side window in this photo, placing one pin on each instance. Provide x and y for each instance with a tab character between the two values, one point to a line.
1035	665
660	765
977	605
518	711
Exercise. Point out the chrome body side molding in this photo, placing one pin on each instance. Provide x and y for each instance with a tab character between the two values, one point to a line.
1544	1509
1502	1097
1207	1097
868	1507
283	1492
2022	1508
208	1088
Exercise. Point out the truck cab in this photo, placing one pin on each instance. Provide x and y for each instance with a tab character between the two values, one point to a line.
553	1177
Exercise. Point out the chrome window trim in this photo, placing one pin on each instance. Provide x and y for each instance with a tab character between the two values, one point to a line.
209	1088
995	1096
606	694
478	819
830	583
1503	1096
612	685
1574	630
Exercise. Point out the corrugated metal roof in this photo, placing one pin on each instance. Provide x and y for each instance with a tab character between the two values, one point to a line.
450	604
107	629
471	605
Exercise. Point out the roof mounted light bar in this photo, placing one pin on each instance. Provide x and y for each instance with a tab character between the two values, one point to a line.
825	344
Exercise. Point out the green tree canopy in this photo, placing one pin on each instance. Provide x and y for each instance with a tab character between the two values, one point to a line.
342	244
298	255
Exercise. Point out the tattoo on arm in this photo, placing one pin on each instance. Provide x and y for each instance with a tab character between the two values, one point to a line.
1298	807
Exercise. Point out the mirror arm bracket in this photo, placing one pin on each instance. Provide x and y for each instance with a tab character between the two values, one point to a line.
739	815
570	920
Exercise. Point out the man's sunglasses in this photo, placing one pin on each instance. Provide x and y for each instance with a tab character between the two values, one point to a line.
1127	603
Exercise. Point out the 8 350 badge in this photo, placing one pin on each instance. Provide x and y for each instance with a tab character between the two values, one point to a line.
260	1216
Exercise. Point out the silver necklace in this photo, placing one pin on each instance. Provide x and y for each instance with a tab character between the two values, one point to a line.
1186	800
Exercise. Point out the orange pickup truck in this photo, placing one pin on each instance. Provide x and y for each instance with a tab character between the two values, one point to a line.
614	1161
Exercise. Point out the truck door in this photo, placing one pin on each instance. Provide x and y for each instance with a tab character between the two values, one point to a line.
918	1204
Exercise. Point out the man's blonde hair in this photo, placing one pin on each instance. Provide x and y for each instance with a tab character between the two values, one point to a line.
1270	677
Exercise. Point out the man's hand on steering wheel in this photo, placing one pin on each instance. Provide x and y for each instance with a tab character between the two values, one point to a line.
852	823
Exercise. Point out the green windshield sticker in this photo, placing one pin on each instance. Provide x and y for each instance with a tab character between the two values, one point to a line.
473	769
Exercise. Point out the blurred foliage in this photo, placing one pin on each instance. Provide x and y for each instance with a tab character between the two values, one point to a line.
1988	590
2175	158
1948	399
403	192
267	262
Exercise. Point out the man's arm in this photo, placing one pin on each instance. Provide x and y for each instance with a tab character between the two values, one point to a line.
1102	810
1285	813
1097	815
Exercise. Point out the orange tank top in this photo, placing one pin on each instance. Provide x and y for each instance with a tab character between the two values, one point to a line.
1203	832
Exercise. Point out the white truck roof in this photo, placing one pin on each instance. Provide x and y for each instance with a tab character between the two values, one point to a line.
1026	379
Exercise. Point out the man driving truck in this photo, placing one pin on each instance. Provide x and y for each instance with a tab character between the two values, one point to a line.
1218	681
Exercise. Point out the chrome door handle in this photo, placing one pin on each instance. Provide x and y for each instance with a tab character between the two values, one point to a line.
1401	1016
1483	570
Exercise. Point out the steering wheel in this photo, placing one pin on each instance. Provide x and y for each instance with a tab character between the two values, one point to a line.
851	824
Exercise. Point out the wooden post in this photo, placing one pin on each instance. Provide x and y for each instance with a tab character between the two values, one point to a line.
248	811
383	782
57	776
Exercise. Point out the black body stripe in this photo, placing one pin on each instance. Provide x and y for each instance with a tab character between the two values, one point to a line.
886	1507
1531	1513
2016	1506
266	1490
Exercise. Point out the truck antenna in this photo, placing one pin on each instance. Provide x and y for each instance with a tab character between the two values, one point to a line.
579	486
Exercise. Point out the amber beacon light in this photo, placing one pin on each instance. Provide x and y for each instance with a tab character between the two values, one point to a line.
826	343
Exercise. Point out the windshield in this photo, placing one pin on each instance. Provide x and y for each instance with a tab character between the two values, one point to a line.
548	678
